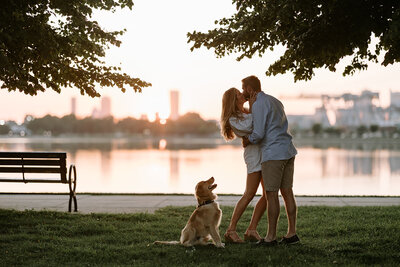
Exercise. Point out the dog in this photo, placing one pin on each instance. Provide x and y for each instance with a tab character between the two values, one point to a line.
204	222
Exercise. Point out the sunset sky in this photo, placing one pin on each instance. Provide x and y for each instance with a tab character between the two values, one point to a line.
155	49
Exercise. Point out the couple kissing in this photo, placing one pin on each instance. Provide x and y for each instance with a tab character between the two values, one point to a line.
269	155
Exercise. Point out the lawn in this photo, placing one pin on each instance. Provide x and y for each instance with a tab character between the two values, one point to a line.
329	236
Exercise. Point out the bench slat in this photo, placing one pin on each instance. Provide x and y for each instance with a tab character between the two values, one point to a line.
31	162
31	181
33	154
30	170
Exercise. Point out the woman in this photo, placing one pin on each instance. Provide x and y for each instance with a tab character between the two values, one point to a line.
237	121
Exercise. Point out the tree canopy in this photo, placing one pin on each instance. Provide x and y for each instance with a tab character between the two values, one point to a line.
53	44
315	33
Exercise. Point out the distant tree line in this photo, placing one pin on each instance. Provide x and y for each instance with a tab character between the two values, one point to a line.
4	129
317	130
190	123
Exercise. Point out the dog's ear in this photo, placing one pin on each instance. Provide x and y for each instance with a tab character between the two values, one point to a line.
200	192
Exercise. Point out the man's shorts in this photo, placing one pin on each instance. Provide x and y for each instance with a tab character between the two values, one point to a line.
277	174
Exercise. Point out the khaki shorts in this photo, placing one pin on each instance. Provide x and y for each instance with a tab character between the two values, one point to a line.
277	174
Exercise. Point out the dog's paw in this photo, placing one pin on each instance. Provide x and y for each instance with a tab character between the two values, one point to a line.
220	245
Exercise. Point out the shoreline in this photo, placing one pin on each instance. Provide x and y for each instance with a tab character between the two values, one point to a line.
185	138
184	194
151	203
193	142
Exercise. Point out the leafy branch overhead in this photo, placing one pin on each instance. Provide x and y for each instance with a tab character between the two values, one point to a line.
55	44
315	33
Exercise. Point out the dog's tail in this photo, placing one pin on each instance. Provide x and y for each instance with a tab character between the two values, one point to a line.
166	242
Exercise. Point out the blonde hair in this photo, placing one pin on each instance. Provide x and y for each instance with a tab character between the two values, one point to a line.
229	109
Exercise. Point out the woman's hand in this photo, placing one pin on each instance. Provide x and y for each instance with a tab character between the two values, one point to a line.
252	99
245	141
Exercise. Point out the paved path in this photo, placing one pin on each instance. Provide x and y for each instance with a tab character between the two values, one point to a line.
149	203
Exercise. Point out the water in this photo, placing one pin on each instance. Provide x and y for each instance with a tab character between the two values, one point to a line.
149	166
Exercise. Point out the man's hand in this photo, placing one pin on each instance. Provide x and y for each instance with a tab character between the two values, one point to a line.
245	141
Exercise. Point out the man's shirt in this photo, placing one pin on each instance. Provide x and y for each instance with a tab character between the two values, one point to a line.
271	129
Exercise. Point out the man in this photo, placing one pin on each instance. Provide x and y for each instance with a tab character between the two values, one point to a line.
270	131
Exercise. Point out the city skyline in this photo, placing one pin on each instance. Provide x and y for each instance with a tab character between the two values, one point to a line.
155	49
103	107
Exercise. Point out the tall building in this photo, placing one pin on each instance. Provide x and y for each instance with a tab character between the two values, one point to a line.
174	101
105	110
73	106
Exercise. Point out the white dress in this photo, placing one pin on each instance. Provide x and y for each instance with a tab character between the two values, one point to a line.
252	153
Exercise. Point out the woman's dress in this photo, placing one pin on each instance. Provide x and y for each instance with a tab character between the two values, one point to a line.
252	153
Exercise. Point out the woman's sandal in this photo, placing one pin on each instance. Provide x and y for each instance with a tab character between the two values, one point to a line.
232	237
252	236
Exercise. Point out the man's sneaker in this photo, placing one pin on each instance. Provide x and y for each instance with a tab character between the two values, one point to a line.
263	243
290	240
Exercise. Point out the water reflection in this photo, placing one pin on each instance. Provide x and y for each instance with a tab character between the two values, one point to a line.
162	144
174	166
348	162
394	163
105	159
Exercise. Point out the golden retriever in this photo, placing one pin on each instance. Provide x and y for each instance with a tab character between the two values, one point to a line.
205	219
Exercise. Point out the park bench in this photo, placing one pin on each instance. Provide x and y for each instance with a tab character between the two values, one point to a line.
48	164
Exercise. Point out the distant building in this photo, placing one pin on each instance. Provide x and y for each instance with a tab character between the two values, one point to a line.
105	109
174	100
393	115
350	110
144	117
95	113
73	106
395	99
360	110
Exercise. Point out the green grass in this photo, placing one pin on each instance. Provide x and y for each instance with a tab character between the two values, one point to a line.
351	236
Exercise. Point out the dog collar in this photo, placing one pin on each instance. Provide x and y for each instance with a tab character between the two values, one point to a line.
205	203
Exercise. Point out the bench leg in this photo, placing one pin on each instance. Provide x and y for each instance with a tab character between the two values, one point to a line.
72	188
73	197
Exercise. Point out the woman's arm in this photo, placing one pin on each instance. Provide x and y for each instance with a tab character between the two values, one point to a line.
242	126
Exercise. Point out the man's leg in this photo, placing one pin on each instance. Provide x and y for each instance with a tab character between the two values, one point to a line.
272	172
273	209
291	210
288	197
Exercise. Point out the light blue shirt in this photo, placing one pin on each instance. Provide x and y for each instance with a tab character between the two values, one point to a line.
270	129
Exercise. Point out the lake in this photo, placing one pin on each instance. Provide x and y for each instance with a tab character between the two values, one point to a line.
137	165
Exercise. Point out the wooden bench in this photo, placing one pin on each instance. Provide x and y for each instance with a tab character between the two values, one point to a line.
40	163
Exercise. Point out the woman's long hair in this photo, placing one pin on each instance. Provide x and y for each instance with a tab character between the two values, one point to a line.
229	109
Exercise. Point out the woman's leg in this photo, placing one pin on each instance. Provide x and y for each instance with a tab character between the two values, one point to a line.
253	180
259	209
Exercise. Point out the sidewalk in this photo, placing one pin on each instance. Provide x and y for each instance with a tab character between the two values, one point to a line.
149	203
